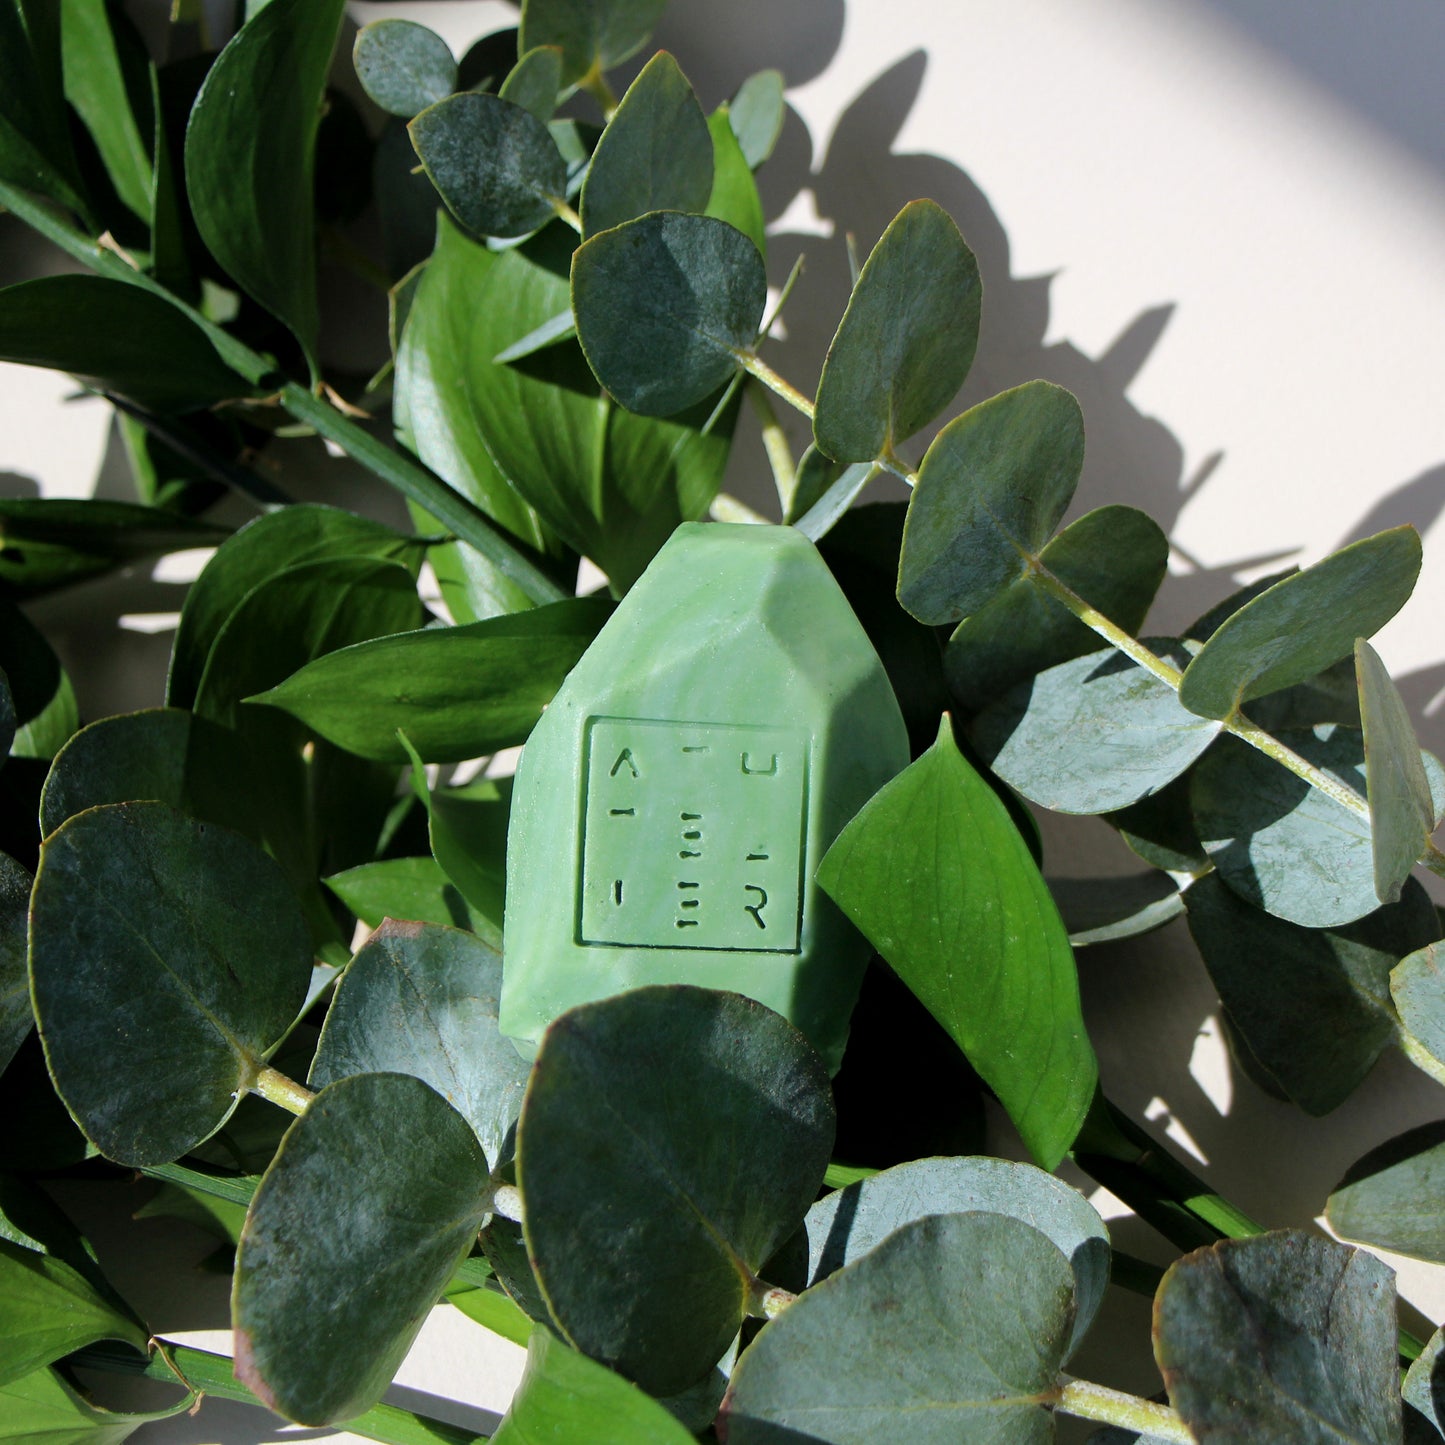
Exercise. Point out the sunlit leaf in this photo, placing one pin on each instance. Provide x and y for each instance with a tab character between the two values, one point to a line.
408	888
43	1407
1390	1199
756	115
734	197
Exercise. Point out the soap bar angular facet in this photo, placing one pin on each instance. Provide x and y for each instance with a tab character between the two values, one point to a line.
676	797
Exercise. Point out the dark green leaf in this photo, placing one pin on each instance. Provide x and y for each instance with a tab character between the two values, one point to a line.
42	1407
756	115
1402	813
496	1312
1300	625
535	81
51	728
906	341
1418	988
734	196
1159	828
406	201
1283	1337
566	1396
674	1124
15	1014
374	1197
655	155
957	1324
403	66
848	1223
506	1251
665	306
593	35
1312	1004
115	337
825	492
7	715
1114	558
250	153
35	148
260	550
166	957
939	880
457	692
494	163
1101	910
992	488
1424	1394
1094	734
32	671
1391	1198
421	999
408	888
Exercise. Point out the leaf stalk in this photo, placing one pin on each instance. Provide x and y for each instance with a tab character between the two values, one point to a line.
1114	1407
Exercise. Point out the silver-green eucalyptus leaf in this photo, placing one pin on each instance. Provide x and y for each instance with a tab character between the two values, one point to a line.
1390	1198
404	67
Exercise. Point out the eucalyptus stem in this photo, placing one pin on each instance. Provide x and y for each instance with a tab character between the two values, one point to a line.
754	365
567	214
1114	1407
595	84
776	445
273	1085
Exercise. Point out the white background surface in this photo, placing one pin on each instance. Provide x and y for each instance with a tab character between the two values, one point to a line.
1220	222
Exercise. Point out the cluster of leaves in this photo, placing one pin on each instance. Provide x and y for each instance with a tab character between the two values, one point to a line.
575	311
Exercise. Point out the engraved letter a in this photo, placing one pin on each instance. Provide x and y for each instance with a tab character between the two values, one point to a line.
624	757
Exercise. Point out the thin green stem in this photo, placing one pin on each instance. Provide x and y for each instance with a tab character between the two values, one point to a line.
1331	787
286	1093
727	508
754	365
566	213
775	443
595	84
767	1301
1114	1407
1421	1057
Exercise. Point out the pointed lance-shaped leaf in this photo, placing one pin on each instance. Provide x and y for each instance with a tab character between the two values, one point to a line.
734	196
593	35
992	488
1299	626
939	880
906	340
404	67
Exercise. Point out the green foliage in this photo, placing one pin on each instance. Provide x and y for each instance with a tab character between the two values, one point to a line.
403	66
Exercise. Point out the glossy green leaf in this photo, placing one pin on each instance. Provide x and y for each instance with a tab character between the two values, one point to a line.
557	328
166	957
957	1324
534	82
495	1311
1101	910
494	163
48	1309
250	152
734	197
41	1407
1094	734
277	540
655	155
408	888
1312	1004
1424	1395
1113	557
1282	1337
374	1197
665	305
1302	624
756	115
992	488
1278	842
848	1223
172	242
1417	984
33	674
906	341
457	692
115	337
565	1396
403	66
591	34
422	999
676	1124
937	877
1402	813
1391	1198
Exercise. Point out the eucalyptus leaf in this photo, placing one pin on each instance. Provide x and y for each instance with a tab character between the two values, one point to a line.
33	674
1281	1337
593	35
422	999
404	67
1424	1393
1103	910
666	306
43	1407
1300	625
167	957
535	81
495	1311
1095	734
250	153
494	163
1313	1004
115	337
407	888
756	115
734	196
993	486
906	341
1113	557
957	1324
15	1013
1390	1199
825	493
323	1316
848	1223
655	155
1417	985
1159	828
936	876
667	1123
457	692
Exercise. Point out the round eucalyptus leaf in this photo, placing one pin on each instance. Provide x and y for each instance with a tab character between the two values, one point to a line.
1390	1198
906	341
167	956
1280	1337
665	306
957	1324
371	1202
756	113
1094	734
421	999
591	34
1417	984
15	1013
848	1223
534	81
404	67
1424	1394
672	1124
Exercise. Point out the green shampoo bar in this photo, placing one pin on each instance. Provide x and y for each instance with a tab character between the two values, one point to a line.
677	796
